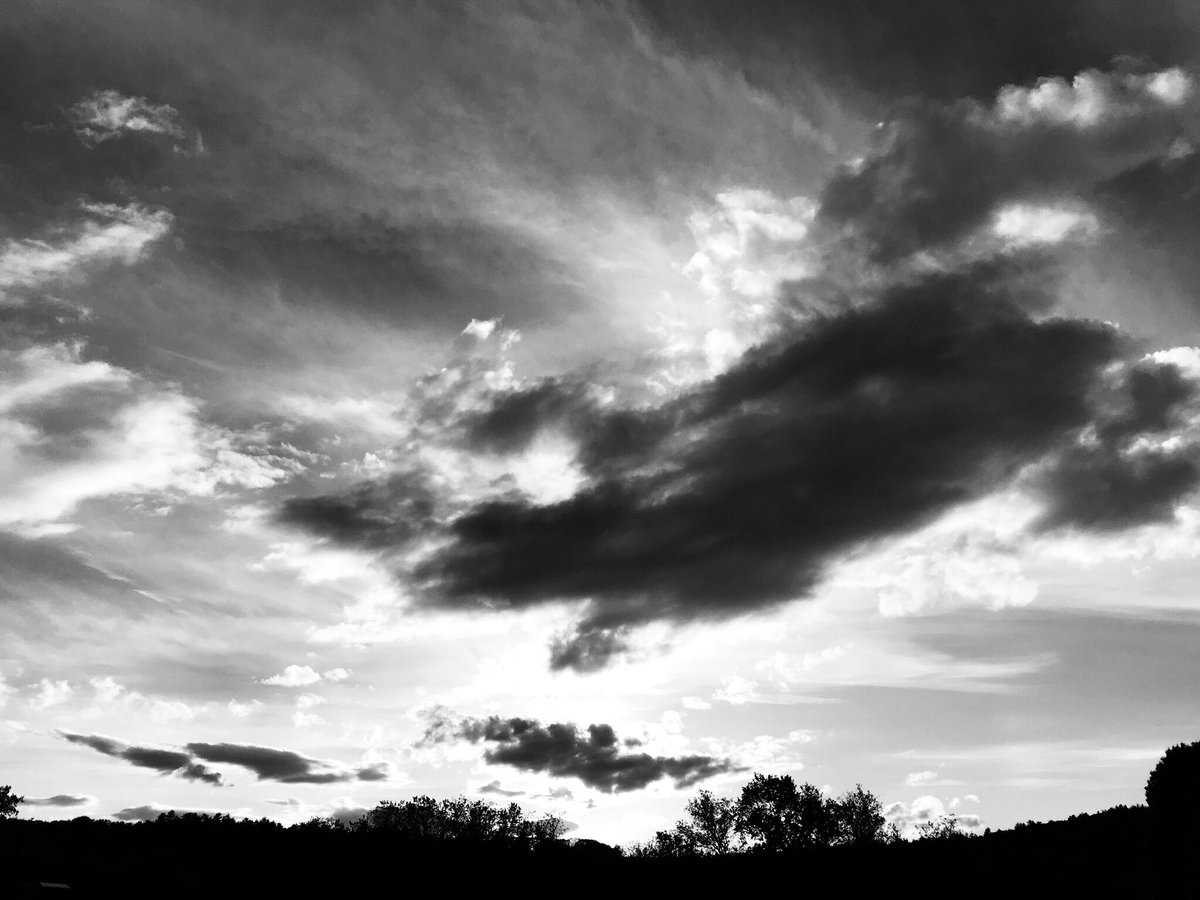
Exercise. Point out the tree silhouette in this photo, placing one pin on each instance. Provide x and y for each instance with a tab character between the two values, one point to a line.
860	816
9	802
769	813
943	828
775	815
710	824
1173	792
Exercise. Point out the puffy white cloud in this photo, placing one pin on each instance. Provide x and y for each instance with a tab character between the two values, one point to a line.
1028	224
915	779
243	710
481	329
737	690
1092	98
111	698
51	693
294	676
104	115
926	810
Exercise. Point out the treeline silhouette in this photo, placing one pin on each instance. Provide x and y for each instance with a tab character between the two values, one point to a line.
773	832
773	815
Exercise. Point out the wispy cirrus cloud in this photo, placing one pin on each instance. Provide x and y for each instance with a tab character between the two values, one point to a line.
108	233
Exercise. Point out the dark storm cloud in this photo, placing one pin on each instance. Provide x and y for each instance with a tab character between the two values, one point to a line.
738	495
561	750
373	515
59	800
588	648
867	424
284	766
167	762
1112	480
606	437
847	427
941	49
935	172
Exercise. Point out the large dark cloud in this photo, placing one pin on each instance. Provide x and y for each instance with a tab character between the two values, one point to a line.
940	377
562	750
167	762
1114	479
285	766
867	424
738	495
374	515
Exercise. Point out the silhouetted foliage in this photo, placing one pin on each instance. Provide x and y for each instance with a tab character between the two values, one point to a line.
774	815
860	818
458	819
780	827
711	824
1173	791
9	802
943	828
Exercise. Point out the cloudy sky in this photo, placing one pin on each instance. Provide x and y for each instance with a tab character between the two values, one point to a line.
582	404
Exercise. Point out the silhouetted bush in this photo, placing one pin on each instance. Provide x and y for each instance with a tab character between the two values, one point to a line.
1173	793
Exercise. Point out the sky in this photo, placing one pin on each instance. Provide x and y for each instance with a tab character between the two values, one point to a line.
583	405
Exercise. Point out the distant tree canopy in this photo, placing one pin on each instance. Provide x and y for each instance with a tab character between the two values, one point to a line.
1173	790
9	802
458	819
772	815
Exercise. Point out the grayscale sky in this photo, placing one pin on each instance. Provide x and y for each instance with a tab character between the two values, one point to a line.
584	404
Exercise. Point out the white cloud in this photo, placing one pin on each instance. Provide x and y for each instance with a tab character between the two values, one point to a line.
737	690
111	698
338	674
695	703
112	233
51	693
308	701
1092	98
481	329
926	810
243	710
306	720
916	779
1027	224
746	245
72	429
103	115
294	676
972	557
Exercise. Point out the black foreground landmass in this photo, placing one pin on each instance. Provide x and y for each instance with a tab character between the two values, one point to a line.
1114	853
776	838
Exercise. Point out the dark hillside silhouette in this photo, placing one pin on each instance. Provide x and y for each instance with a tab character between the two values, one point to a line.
773	832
